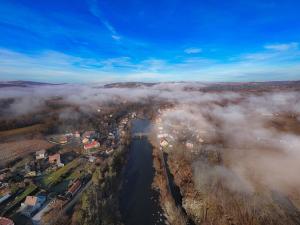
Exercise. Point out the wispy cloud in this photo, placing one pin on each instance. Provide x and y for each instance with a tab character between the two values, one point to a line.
282	47
193	50
56	66
95	10
274	53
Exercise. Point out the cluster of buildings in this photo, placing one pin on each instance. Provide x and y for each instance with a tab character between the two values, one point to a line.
61	139
163	136
44	162
35	207
89	141
167	135
13	183
58	203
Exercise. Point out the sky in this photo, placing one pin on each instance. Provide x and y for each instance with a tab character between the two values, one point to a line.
149	40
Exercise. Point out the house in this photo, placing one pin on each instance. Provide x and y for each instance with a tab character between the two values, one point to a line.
189	145
3	185
162	136
73	189
69	135
4	194
201	140
91	145
40	154
31	174
3	174
109	151
55	159
32	204
164	143
77	134
85	140
111	136
124	121
92	158
88	134
133	115
6	221
63	140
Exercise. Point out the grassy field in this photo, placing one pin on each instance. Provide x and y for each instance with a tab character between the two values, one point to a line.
31	188
55	177
20	131
20	148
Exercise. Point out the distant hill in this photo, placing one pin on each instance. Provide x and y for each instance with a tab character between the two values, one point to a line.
20	83
253	86
129	85
219	86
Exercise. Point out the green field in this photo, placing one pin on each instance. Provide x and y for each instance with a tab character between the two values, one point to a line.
54	178
31	188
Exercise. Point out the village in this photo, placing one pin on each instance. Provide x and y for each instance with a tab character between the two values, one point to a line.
182	134
35	188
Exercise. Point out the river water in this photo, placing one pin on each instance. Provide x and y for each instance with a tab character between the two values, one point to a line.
139	203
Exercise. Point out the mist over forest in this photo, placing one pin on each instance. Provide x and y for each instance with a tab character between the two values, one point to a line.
226	143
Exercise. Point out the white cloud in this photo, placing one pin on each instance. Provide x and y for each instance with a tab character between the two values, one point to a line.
282	47
116	37
193	50
56	67
95	10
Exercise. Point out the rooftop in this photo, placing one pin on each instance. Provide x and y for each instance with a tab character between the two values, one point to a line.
6	221
55	157
31	200
43	151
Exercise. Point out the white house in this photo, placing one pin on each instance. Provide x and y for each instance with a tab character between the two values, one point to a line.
41	154
31	205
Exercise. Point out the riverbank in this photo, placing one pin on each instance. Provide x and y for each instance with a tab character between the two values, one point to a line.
173	212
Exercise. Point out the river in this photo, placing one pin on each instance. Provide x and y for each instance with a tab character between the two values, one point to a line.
139	203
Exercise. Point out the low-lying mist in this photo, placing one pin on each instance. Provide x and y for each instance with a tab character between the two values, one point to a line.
256	135
247	129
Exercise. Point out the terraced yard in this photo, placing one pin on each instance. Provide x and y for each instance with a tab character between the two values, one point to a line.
56	176
19	198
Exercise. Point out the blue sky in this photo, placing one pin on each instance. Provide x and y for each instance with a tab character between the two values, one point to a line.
153	40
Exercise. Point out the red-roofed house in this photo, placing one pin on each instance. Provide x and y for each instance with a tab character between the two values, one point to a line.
31	200
54	158
32	204
6	221
93	144
74	188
